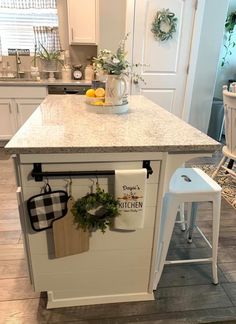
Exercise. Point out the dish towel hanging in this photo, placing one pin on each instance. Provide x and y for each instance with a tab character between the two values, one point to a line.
130	187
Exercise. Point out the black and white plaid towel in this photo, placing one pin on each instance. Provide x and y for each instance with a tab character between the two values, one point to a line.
44	208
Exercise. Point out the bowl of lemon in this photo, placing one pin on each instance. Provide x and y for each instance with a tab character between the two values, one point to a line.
95	100
95	97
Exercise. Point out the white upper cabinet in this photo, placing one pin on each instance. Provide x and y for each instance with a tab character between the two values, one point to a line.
83	21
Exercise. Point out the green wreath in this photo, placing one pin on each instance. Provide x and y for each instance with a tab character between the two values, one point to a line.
164	25
95	211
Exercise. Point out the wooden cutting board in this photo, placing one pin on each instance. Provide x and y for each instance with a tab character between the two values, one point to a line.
68	240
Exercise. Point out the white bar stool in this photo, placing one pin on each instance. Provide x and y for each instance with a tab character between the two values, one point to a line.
188	185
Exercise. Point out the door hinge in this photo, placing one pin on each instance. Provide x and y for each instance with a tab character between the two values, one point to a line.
196	4
187	69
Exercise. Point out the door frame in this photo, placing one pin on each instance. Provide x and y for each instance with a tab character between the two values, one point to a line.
194	48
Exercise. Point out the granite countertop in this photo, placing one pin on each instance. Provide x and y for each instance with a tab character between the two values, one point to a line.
62	124
23	82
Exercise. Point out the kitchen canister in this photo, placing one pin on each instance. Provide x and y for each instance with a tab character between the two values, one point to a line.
89	73
66	74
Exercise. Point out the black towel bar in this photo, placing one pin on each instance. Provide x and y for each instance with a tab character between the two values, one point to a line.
38	174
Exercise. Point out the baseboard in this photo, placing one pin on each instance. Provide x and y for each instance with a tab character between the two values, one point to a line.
94	300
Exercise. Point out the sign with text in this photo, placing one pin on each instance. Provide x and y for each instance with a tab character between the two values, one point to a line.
19	51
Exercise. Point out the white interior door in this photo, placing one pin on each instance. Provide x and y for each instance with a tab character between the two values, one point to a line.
164	64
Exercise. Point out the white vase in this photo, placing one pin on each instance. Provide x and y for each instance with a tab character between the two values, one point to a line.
115	90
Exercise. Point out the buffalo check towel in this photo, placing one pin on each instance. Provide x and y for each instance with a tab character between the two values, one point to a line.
130	188
44	208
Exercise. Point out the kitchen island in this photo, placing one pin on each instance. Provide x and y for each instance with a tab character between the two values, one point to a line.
61	136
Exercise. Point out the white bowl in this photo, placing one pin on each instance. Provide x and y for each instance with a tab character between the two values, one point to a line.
105	109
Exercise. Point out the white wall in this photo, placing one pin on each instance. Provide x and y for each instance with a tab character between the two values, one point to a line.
63	23
207	62
112	15
229	70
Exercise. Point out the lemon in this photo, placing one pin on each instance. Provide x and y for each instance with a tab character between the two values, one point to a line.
90	93
99	92
98	103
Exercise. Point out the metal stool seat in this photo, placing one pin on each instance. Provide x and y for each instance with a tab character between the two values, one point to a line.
188	185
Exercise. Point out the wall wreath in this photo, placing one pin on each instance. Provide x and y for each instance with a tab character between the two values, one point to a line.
164	25
95	211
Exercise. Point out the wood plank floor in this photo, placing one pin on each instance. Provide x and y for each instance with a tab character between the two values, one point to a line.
184	295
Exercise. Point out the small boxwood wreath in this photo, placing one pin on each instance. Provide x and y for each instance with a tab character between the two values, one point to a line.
95	211
164	25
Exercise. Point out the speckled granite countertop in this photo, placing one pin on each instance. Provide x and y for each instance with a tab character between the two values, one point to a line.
19	83
62	124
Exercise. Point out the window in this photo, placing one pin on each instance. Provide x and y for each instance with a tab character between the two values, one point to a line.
16	26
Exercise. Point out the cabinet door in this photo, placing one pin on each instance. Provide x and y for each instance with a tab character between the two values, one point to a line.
83	21
25	108
7	119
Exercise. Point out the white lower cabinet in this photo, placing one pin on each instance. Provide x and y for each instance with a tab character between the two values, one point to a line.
16	106
7	119
25	108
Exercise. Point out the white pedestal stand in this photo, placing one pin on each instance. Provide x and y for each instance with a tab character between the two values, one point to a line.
51	76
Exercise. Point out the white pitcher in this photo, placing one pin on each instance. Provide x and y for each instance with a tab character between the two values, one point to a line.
115	90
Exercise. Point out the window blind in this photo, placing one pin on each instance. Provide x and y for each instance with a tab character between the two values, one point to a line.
24	4
16	26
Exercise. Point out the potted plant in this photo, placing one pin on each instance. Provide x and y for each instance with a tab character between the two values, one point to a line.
49	59
229	41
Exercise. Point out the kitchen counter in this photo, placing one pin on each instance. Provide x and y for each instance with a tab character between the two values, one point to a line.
120	266
62	124
23	82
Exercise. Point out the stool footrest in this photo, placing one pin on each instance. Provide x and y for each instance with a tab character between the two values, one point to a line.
188	261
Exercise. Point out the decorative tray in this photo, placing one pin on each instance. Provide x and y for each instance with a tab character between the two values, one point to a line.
100	107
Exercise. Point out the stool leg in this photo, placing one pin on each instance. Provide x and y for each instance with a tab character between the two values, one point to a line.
192	221
219	166
168	217
181	217
215	236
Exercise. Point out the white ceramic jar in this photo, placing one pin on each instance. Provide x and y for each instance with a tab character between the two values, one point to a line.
89	73
66	74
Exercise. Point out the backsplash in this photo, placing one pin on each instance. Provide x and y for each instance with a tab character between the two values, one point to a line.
78	55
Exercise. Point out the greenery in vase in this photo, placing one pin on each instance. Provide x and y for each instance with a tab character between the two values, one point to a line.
230	43
115	63
112	63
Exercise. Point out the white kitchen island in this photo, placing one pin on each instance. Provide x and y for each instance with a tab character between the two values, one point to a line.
62	135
